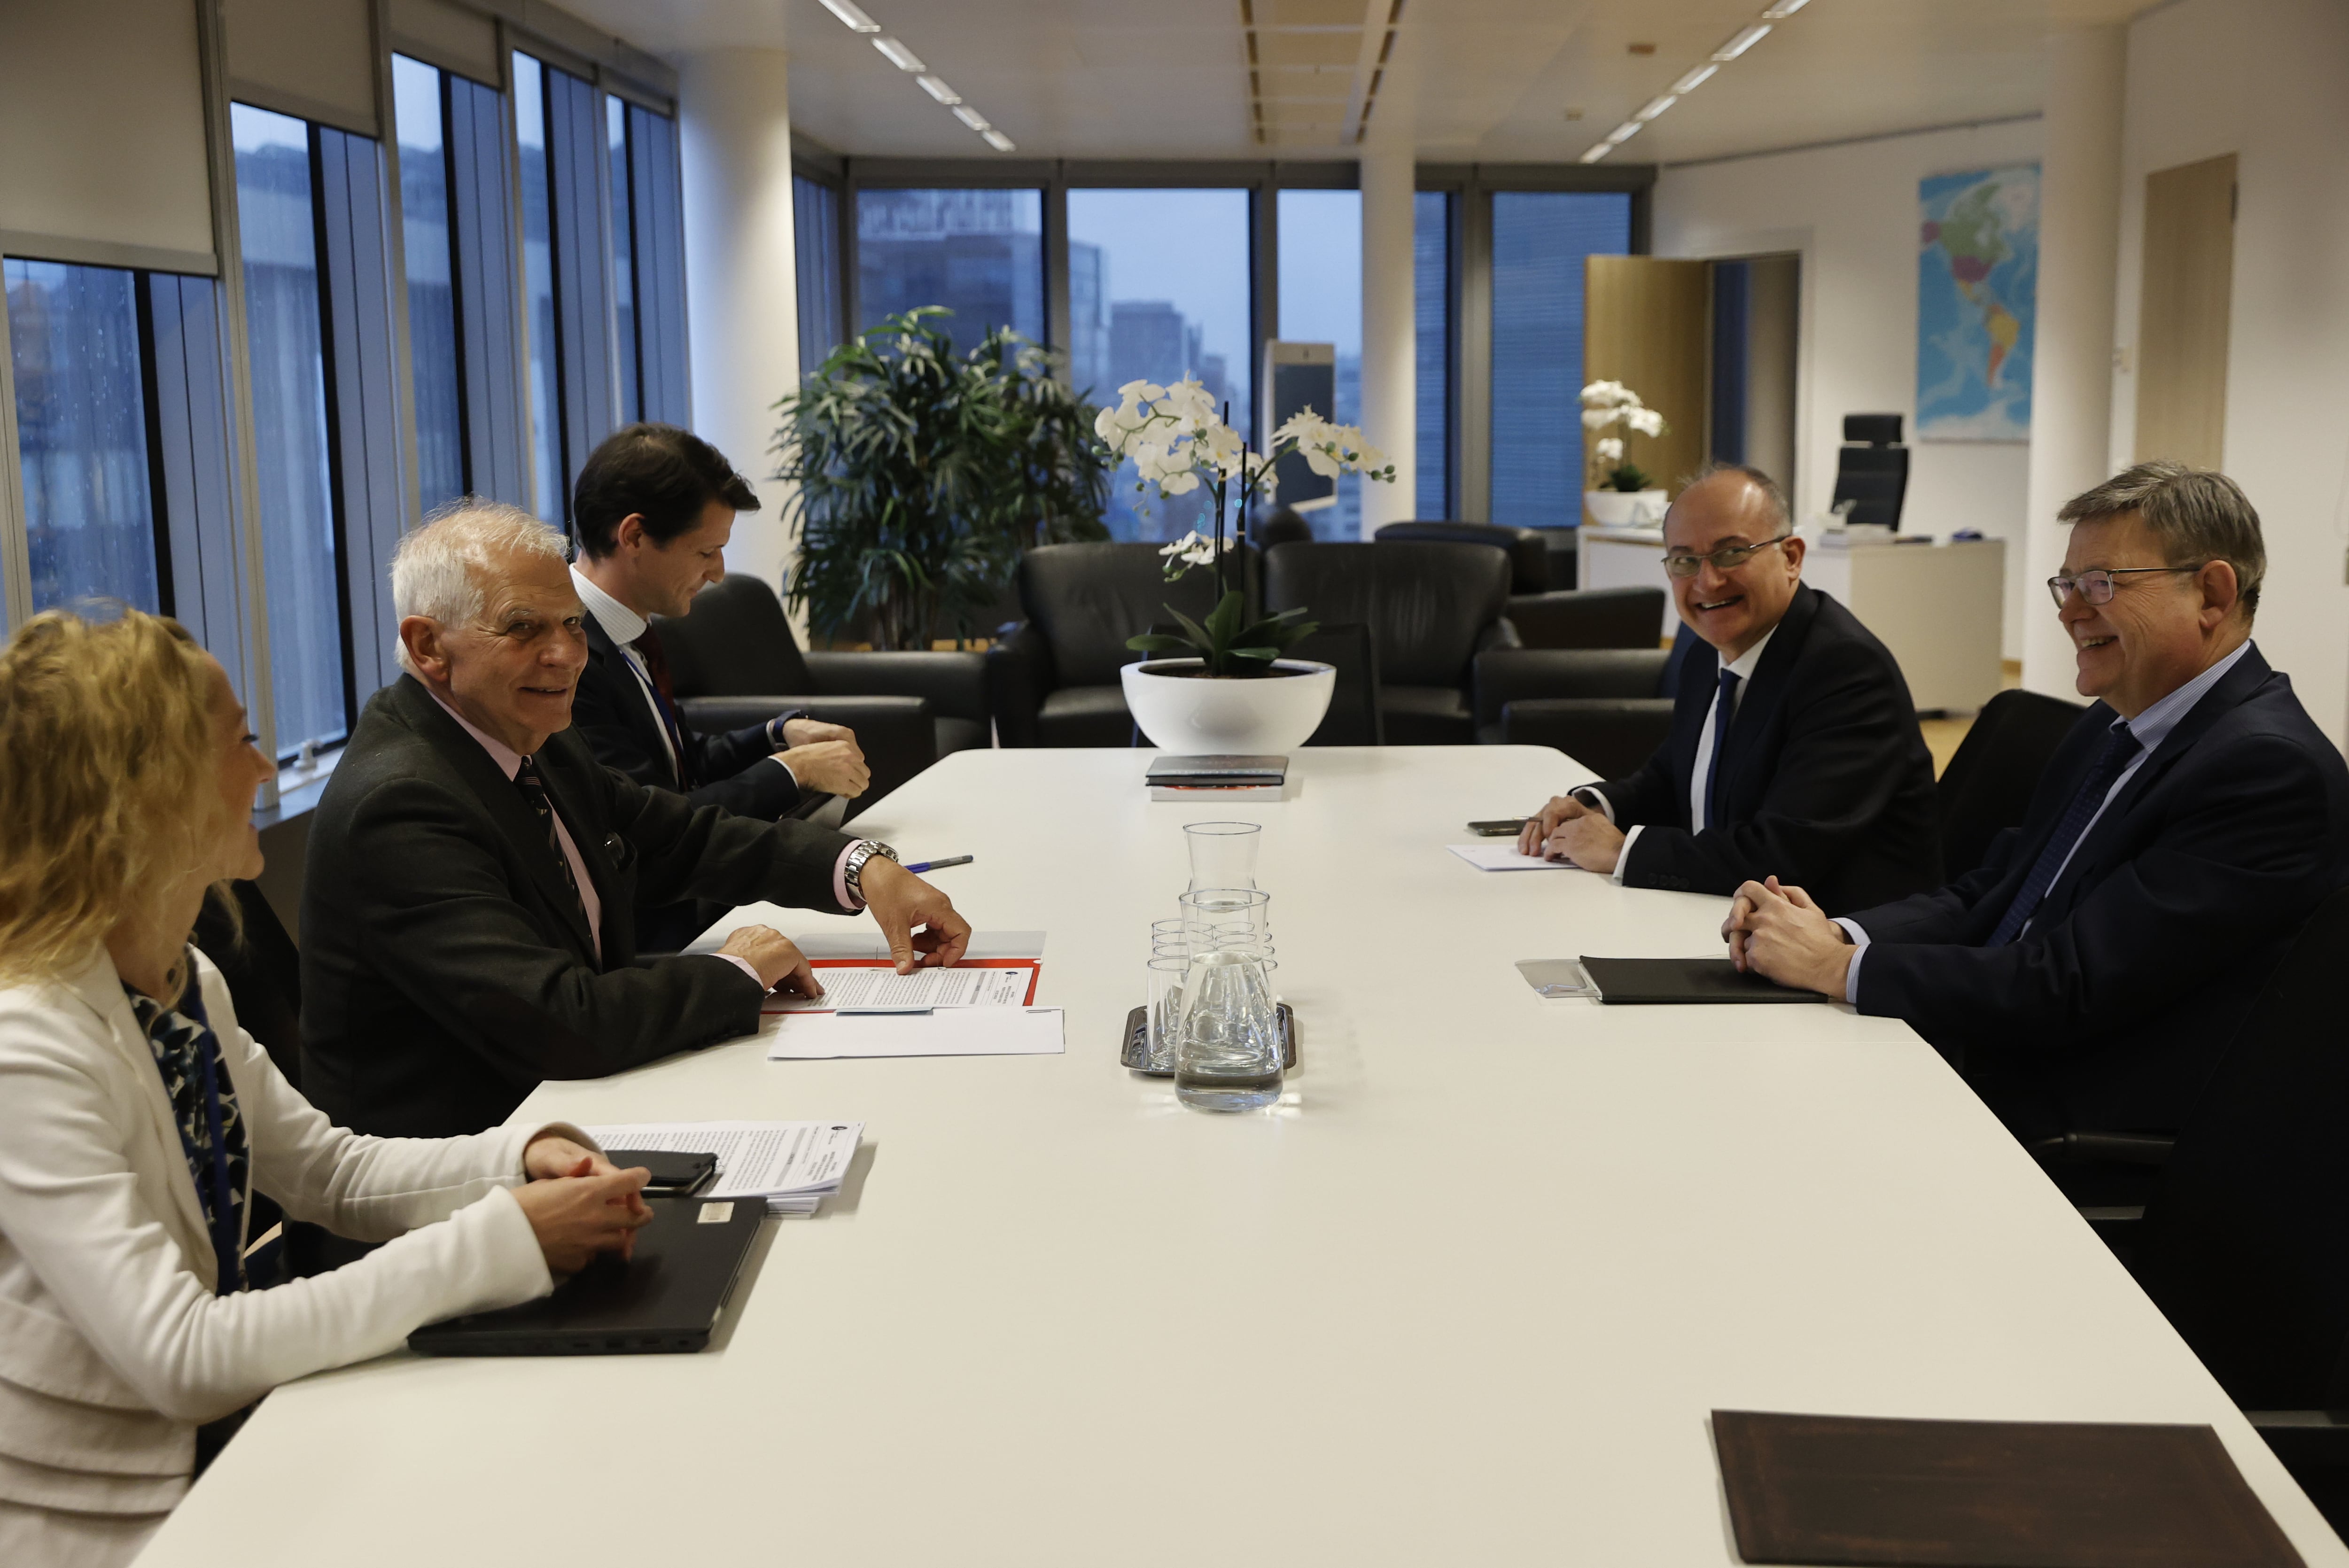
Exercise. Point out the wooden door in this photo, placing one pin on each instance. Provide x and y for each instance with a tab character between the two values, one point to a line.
2183	319
1645	324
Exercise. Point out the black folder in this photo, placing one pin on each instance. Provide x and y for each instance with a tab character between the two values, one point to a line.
1841	1490
1684	980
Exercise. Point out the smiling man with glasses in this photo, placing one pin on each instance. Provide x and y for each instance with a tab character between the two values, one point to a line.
1794	742
2089	974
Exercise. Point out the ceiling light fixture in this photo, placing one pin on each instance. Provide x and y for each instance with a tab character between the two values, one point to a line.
939	90
972	118
905	60
1745	39
998	141
858	22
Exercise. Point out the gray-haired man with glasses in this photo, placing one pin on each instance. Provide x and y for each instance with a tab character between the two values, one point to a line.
2089	974
1794	742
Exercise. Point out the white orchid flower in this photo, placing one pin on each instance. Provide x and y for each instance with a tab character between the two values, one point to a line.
1598	418
1141	392
1610	449
1646	421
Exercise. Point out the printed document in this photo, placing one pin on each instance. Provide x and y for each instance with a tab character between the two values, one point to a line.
1501	858
947	1032
863	985
792	1166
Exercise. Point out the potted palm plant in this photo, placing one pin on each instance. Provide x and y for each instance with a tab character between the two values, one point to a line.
921	476
1227	688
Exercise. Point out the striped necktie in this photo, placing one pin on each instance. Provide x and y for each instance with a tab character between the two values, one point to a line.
533	790
2120	746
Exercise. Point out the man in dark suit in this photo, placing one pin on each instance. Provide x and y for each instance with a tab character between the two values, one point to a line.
654	507
1794	742
468	922
2089	974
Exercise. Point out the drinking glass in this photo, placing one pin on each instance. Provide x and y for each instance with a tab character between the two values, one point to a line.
1227	1040
1223	854
1166	1015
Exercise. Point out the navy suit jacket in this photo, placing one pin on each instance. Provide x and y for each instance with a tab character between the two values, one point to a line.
1829	785
608	712
2109	1013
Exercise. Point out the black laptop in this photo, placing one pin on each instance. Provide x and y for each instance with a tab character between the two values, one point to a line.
667	1298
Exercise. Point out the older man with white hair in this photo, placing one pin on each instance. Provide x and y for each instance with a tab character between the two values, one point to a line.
467	917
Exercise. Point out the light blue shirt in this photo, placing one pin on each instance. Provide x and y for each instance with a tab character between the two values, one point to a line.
2151	727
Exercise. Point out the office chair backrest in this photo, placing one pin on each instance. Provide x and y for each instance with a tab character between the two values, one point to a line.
1872	469
1589	618
736	643
1353	718
1987	786
1528	548
1426	604
1087	599
2241	1244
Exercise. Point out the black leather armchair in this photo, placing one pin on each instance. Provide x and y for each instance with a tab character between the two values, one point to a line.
1987	786
1527	547
1589	618
1430	608
1605	708
735	662
1053	679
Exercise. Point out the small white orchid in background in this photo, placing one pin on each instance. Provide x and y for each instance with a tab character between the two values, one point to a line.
1194	548
1606	405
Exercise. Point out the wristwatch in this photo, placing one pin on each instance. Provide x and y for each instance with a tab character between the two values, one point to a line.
775	736
864	849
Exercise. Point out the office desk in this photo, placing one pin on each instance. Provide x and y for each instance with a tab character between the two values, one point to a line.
1466	1297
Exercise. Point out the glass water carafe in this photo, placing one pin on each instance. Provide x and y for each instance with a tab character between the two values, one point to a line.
1228	1045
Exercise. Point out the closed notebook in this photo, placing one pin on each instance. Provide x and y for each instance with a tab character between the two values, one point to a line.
1842	1490
1684	980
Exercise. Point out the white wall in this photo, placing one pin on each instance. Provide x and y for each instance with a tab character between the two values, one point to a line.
2267	80
1851	211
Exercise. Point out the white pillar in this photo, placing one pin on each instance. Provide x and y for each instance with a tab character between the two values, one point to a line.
1390	342
741	273
2072	382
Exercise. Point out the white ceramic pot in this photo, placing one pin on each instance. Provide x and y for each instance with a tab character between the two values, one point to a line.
1626	508
1193	714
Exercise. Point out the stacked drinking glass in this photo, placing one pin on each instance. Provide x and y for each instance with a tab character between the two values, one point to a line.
1220	1012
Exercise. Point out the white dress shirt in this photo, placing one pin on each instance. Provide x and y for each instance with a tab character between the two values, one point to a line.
623	626
2151	727
1743	668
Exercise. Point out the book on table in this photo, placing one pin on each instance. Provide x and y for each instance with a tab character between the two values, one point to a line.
1256	777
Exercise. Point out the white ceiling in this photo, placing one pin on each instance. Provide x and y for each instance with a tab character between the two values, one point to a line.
1468	80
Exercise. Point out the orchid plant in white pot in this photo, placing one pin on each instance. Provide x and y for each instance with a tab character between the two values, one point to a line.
1213	699
1620	491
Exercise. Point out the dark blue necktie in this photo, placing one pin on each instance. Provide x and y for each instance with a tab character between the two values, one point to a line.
1724	708
2120	746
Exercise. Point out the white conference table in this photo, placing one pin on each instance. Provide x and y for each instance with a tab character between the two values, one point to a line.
1466	1294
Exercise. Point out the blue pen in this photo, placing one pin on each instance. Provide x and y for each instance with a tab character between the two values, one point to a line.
935	865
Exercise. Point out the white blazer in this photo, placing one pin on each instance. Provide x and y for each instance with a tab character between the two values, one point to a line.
113	1348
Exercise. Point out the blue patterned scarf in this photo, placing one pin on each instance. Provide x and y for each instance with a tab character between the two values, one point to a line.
204	1104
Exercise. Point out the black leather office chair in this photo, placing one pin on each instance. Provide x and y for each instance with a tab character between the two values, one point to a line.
1872	469
734	662
1053	679
2241	1244
1527	550
1986	789
1353	718
1605	708
1430	608
1589	618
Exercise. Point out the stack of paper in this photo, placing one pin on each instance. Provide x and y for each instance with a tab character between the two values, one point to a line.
1504	857
792	1166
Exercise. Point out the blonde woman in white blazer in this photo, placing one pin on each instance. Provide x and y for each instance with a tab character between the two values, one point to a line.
136	1118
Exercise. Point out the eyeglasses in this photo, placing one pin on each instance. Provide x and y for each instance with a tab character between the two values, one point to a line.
2096	586
1728	560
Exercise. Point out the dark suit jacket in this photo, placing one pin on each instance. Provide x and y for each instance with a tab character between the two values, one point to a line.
446	967
1829	785
608	712
2110	1011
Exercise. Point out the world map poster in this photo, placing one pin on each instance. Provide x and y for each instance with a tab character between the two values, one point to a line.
1977	288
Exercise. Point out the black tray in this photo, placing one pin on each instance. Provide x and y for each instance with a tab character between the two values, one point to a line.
1135	1051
